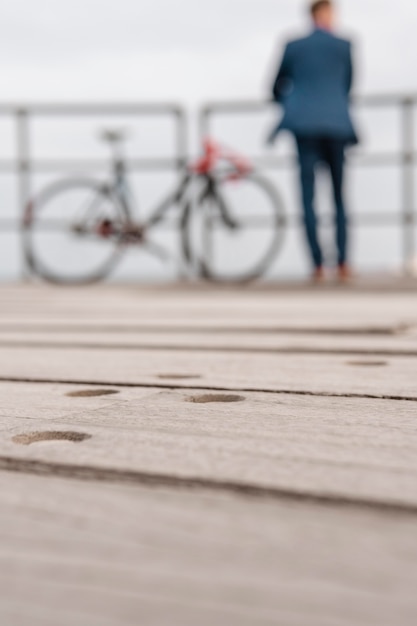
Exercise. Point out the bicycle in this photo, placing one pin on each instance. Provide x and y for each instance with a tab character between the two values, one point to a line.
76	230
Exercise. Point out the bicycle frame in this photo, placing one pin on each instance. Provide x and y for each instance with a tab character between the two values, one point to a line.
109	215
202	168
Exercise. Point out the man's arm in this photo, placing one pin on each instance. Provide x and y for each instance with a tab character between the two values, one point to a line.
282	82
350	71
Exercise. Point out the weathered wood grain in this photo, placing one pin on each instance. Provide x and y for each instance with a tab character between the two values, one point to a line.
397	344
295	373
339	448
313	310
86	553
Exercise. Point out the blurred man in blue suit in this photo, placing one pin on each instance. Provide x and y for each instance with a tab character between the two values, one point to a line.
313	86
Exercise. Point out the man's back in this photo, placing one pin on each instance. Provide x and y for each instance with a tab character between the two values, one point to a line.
313	85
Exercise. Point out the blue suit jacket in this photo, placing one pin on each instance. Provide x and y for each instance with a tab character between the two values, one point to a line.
313	86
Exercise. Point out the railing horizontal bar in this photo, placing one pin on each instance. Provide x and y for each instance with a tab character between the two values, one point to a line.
12	165
9	223
363	160
380	159
363	219
243	106
385	98
15	226
68	164
91	109
358	219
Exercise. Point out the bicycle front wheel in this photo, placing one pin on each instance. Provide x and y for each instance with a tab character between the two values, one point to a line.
236	229
72	232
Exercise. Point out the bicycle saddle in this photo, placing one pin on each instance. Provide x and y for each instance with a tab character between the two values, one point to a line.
114	135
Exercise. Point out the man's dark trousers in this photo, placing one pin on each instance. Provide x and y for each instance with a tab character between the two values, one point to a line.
330	152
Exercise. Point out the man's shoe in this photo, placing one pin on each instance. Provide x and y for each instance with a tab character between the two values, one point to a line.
318	276
344	273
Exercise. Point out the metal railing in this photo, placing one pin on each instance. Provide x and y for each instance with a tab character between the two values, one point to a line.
405	158
25	165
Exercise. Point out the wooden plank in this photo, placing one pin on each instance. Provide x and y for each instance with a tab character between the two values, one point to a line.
93	554
211	308
295	373
399	344
338	448
33	401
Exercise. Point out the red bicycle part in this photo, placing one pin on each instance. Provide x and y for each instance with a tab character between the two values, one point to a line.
213	153
105	229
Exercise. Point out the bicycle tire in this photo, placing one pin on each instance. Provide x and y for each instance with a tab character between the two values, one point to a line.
213	191
35	223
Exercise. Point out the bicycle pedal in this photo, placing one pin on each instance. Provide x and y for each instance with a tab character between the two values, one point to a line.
134	234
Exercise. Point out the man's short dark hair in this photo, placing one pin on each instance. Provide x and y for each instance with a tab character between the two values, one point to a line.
316	6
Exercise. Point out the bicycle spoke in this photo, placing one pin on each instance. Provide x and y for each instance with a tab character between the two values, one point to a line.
74	234
236	229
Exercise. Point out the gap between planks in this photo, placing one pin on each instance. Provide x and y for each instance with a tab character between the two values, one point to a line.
383	331
172	387
153	480
86	345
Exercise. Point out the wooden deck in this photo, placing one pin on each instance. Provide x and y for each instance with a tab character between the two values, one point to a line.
173	457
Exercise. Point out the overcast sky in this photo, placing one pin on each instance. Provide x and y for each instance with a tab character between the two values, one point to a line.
187	50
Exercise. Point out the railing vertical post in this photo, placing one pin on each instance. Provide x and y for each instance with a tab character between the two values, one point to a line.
208	224
204	123
408	193
182	138
181	147
23	157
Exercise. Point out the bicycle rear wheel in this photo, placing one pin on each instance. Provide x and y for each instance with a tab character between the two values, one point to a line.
236	229
72	232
